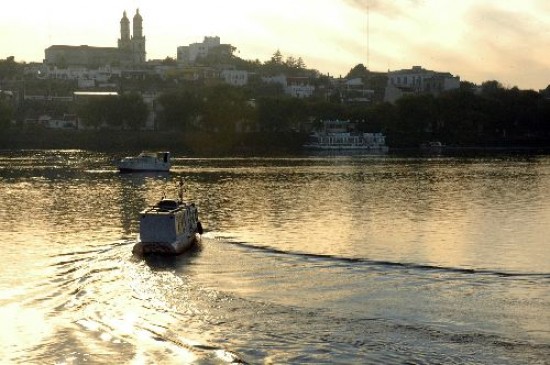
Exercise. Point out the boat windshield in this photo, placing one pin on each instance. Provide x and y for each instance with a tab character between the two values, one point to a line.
148	155
167	204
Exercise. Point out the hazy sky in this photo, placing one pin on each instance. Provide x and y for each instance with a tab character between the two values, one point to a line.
477	40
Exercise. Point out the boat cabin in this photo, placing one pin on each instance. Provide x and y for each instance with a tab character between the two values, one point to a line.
165	221
146	161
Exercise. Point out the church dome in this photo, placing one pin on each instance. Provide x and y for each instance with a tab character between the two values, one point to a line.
124	18
137	17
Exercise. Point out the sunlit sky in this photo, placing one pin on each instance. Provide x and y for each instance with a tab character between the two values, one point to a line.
478	40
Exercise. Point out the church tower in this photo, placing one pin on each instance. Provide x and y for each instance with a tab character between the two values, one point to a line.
138	25
124	41
138	40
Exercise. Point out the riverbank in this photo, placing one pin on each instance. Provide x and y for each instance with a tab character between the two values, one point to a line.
223	144
194	143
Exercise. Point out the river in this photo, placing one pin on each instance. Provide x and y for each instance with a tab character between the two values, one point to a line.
307	259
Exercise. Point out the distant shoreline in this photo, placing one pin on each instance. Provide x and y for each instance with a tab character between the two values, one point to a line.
220	144
193	143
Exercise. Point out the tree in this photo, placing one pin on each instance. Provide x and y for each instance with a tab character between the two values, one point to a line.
465	118
281	114
179	109
6	112
93	111
125	111
546	92
271	116
9	69
543	117
133	110
492	88
275	65
277	58
358	71
416	117
291	62
467	86
224	107
380	117
169	61
325	110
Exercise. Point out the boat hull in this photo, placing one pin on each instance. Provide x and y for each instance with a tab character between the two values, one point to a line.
346	148
134	169
179	246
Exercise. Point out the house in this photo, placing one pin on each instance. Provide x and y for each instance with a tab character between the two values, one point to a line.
85	77
195	51
355	91
418	80
234	77
298	87
68	121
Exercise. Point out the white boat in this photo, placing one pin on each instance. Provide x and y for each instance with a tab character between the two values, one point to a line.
432	146
170	227
146	161
339	135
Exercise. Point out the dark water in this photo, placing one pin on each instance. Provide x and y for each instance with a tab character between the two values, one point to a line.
365	259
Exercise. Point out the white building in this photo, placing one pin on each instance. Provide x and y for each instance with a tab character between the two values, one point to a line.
235	77
354	91
298	87
418	80
68	121
191	53
86	78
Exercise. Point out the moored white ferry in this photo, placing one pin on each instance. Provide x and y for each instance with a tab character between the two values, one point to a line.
169	227
339	135
146	161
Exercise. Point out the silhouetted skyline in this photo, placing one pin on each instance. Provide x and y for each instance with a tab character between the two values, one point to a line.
477	40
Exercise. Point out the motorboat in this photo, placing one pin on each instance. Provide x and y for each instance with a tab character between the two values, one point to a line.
171	226
146	161
432	146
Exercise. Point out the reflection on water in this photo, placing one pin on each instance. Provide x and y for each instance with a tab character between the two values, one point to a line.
435	212
379	259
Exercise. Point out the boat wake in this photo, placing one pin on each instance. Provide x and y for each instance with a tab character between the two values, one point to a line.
384	263
158	344
114	309
111	306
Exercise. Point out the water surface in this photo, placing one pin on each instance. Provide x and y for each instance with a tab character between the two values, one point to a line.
310	259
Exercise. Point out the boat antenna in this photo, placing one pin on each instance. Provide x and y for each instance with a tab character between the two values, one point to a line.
180	189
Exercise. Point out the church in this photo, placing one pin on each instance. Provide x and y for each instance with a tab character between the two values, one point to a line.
130	50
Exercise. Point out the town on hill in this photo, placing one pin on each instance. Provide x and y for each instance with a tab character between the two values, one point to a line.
207	99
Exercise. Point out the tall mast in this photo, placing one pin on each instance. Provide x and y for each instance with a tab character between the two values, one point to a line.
368	37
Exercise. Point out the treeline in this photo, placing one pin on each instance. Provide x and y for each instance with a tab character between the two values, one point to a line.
126	111
489	115
228	109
